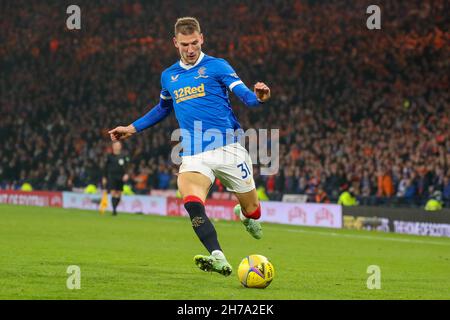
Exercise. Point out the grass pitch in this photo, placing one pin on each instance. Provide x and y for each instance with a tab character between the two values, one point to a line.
150	257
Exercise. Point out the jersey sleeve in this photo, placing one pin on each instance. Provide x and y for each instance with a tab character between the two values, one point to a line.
229	78
158	112
227	75
165	94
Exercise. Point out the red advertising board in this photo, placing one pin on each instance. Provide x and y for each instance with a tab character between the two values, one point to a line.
33	198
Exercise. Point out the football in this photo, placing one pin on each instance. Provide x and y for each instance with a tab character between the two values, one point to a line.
255	271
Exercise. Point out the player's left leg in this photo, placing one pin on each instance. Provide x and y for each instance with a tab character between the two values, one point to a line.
194	187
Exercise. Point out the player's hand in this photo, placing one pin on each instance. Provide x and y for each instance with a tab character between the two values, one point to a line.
122	133
262	91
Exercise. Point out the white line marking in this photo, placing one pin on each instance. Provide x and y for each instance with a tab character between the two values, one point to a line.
334	234
322	233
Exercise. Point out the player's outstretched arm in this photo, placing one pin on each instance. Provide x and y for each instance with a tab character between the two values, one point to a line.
155	115
122	133
228	77
260	94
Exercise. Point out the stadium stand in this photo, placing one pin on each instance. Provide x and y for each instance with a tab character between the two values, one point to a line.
360	109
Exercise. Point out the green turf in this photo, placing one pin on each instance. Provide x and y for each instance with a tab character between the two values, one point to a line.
150	257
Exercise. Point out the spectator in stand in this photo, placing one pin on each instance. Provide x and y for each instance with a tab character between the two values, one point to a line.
385	184
410	192
163	178
141	181
321	195
61	180
446	192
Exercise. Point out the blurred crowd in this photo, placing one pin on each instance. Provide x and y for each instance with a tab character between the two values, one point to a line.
358	109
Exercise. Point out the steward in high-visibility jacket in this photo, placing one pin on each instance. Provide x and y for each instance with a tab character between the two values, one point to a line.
433	205
26	187
347	199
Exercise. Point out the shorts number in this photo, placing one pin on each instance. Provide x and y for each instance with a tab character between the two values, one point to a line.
244	169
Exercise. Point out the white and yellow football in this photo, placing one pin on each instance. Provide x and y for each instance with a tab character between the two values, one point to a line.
255	271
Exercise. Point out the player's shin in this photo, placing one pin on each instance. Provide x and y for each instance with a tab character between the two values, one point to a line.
256	214
249	220
201	224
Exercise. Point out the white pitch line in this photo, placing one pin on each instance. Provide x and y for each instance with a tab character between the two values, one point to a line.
334	234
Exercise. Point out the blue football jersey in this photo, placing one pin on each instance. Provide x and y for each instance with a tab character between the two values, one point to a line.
199	94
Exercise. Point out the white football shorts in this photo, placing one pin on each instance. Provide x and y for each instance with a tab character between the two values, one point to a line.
231	164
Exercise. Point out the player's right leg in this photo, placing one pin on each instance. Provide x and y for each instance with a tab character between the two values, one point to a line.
249	211
194	188
235	171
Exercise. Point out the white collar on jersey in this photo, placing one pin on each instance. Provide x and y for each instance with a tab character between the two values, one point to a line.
189	66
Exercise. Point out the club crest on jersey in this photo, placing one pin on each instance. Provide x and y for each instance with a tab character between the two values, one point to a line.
201	73
174	78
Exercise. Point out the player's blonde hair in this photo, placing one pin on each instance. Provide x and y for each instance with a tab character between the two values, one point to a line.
187	25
